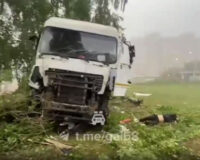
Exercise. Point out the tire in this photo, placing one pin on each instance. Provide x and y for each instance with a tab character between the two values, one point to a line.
35	94
104	100
105	109
34	99
47	95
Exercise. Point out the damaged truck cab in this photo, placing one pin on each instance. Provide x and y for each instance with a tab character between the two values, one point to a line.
78	66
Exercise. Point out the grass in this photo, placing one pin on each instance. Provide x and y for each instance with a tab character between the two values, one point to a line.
22	138
6	75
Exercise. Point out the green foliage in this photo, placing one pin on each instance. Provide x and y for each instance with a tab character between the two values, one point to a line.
18	21
6	75
26	18
23	137
77	9
20	133
17	135
104	15
164	141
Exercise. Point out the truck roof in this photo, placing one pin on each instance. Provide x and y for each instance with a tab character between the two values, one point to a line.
82	26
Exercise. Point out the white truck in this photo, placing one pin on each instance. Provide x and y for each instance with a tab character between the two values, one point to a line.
78	66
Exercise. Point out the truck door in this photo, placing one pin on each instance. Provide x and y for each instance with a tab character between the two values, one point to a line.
123	72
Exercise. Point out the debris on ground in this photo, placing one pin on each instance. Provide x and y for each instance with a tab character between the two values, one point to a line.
123	129
117	108
135	120
126	121
12	116
156	119
136	102
142	94
63	148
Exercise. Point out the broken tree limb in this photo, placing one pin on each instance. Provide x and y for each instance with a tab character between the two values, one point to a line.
65	149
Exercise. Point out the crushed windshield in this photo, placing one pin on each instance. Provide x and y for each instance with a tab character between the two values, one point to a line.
76	44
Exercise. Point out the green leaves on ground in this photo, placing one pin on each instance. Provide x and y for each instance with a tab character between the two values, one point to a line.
174	141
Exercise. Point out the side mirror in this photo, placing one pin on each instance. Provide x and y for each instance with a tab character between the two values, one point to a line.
132	53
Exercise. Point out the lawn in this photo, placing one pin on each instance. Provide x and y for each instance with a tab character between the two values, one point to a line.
23	138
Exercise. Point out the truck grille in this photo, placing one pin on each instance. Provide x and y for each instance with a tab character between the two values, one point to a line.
73	87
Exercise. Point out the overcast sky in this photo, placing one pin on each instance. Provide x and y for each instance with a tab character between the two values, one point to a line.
167	17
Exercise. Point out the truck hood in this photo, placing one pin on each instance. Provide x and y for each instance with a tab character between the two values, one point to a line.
71	64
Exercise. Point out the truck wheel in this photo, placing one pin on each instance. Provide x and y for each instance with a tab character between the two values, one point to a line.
105	109
34	99
47	96
35	94
104	104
